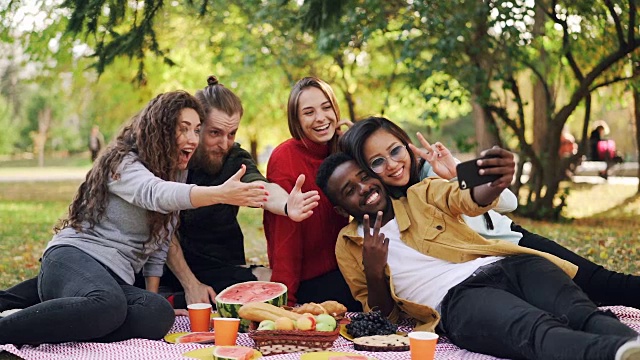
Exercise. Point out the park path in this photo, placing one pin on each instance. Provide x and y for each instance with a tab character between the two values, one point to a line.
587	174
43	174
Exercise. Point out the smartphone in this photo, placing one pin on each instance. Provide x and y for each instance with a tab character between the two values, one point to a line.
469	177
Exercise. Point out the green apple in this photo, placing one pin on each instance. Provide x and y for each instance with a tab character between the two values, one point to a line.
324	327
267	325
328	320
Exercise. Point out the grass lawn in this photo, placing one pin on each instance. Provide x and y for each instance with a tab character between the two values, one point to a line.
605	228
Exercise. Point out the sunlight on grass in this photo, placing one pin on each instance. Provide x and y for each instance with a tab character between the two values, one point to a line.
25	229
586	200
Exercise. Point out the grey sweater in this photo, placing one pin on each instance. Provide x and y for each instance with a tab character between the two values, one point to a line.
117	239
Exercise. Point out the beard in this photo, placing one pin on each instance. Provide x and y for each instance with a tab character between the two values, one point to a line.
208	161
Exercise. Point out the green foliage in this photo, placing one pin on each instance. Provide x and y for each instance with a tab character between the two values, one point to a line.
9	133
118	28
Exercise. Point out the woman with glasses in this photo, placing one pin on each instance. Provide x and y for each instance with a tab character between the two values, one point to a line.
386	151
302	255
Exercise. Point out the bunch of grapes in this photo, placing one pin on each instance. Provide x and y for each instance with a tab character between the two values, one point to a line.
371	323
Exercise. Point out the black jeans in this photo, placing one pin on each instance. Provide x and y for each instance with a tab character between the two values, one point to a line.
20	296
83	301
218	278
330	286
604	287
525	307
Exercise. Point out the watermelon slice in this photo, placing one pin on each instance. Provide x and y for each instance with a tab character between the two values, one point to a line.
232	353
349	357
196	337
232	298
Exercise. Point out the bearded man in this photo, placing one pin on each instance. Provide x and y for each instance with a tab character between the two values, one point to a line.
209	253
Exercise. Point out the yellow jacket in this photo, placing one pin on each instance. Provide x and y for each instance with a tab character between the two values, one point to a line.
429	222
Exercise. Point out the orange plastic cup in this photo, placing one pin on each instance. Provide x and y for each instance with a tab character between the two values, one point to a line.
423	345
199	316
226	330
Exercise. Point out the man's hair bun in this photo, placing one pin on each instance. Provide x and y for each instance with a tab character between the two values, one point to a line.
212	80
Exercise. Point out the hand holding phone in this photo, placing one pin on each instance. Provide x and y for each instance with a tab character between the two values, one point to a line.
469	174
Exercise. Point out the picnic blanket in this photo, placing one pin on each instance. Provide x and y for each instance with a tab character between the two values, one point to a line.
147	349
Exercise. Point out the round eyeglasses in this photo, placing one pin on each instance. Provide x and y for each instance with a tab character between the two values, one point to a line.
398	153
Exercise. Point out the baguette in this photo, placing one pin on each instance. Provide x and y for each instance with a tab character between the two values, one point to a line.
258	311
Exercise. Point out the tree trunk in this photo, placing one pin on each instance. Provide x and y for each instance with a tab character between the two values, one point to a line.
351	105
484	137
636	113
253	145
540	103
348	96
44	122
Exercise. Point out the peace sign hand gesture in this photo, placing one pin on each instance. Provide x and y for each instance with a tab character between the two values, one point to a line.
375	249
440	158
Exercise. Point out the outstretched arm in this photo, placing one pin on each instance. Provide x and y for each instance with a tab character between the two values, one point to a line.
299	205
504	165
232	192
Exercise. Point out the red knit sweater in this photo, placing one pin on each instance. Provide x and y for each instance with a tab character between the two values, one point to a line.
305	250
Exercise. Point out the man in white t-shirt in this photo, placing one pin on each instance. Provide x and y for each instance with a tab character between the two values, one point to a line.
487	296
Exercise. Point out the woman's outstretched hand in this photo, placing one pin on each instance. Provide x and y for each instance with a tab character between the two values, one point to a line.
235	192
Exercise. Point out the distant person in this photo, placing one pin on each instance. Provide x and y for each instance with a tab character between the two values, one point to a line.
96	142
568	148
568	145
602	149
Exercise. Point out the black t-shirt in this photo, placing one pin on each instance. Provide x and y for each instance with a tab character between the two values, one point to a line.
210	236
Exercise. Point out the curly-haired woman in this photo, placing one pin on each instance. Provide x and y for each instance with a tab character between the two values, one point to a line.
121	221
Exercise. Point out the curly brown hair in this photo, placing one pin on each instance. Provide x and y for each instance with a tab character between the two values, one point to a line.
150	135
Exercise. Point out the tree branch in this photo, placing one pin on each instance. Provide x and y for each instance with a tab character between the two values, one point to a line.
616	21
394	74
566	45
612	81
541	79
518	98
583	89
524	145
632	23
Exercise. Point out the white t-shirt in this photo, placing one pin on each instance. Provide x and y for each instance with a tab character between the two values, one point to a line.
420	278
507	202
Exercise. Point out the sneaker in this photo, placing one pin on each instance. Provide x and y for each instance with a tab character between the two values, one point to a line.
603	174
8	312
629	351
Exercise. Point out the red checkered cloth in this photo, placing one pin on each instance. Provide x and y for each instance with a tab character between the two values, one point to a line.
147	349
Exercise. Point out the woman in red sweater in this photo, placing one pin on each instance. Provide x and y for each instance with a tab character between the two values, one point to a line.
302	255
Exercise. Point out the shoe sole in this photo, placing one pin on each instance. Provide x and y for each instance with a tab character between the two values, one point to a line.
631	354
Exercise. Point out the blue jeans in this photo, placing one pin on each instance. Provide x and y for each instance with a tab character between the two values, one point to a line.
525	307
84	301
